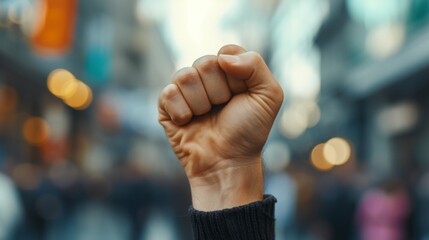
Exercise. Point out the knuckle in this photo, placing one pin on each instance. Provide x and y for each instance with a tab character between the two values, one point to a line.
231	49
182	118
168	92
206	63
186	76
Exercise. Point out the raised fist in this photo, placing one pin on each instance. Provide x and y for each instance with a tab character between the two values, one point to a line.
217	116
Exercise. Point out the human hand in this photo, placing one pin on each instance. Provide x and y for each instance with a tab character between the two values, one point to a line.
217	116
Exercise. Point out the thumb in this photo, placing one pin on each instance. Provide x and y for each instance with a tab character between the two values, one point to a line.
251	68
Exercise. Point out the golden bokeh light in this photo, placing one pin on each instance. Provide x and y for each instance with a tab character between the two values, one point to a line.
81	98
62	83
329	154
318	159
36	131
337	151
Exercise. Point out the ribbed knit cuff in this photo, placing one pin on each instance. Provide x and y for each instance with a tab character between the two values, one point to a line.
254	221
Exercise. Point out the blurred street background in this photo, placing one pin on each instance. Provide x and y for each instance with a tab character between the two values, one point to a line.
83	157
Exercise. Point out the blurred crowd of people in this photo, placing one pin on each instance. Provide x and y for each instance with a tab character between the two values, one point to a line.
348	203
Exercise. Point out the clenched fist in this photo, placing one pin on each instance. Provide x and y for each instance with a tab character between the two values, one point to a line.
217	115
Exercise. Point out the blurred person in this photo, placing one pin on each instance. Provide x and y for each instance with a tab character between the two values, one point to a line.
339	194
307	224
217	116
382	212
10	209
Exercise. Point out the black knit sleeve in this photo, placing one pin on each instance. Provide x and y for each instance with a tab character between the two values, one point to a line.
254	221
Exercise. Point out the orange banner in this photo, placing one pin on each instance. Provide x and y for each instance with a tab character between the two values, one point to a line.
55	30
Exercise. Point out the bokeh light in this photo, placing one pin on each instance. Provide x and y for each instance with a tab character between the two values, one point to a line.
385	40
318	158
298	116
337	151
36	131
398	118
81	98
293	122
74	92
62	83
276	156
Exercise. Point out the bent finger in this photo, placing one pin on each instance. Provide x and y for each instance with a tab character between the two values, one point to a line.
172	105
214	79
190	84
236	85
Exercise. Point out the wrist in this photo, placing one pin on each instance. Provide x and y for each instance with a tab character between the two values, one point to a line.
232	185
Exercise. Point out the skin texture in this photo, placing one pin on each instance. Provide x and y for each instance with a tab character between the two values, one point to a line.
217	115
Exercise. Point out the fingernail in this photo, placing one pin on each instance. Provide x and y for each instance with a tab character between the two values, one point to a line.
230	58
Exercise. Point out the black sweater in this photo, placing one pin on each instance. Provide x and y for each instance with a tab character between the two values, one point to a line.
254	221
